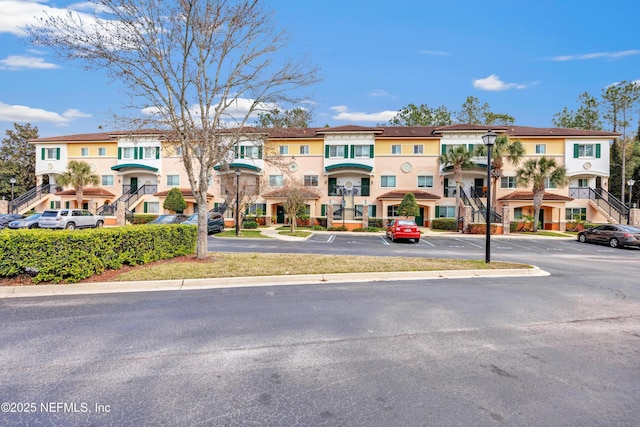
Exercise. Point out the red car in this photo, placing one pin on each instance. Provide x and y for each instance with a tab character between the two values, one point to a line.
403	229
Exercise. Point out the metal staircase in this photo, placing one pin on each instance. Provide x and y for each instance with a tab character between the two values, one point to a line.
478	208
608	205
128	199
36	194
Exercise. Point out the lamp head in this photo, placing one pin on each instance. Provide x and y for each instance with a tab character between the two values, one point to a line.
238	172
631	182
12	180
489	138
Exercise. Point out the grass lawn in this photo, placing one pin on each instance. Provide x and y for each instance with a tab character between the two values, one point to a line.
254	234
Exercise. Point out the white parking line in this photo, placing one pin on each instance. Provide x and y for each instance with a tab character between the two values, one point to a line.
331	238
384	240
469	243
428	243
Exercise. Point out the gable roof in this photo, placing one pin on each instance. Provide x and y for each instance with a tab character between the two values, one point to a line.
528	195
399	194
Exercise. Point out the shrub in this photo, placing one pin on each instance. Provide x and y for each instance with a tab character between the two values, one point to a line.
70	256
318	228
444	224
252	225
143	218
340	228
376	222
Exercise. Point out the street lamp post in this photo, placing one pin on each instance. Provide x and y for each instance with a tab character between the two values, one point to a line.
488	140
13	182
630	184
237	202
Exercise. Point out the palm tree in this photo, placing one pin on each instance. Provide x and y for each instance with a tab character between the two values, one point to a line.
504	150
78	176
536	172
458	157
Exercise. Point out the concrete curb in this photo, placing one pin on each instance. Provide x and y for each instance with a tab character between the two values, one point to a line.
244	282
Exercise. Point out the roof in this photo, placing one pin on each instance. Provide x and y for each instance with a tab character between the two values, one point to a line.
528	195
380	132
133	166
89	191
399	194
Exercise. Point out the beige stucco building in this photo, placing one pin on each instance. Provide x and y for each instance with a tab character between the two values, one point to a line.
360	172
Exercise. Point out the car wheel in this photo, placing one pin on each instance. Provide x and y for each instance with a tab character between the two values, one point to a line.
33	226
99	224
70	226
582	238
614	243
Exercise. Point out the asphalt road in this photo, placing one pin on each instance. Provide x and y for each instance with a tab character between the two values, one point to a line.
558	350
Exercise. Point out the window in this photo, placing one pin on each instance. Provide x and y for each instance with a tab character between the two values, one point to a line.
152	207
517	213
311	180
173	180
51	154
361	151
572	214
107	180
418	149
304	149
252	152
508	182
425	181
586	150
446	211
392	211
541	148
178	150
583	182
336	151
128	152
257	209
284	150
102	152
149	153
276	181
388	181
84	152
550	185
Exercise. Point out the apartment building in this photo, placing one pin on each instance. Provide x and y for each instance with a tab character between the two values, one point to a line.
351	173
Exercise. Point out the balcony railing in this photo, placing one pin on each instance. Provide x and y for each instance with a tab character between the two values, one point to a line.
356	190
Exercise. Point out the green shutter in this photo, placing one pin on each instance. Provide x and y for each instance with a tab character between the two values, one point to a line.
575	151
326	151
259	152
471	148
141	153
237	148
43	152
598	151
157	153
323	210
119	153
437	211
353	151
373	211
346	151
57	153
371	150
145	207
51	205
135	153
443	149
242	152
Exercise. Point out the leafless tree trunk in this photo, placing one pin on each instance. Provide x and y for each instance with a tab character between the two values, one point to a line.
196	68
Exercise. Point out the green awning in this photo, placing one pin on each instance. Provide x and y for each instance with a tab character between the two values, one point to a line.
133	166
349	166
233	166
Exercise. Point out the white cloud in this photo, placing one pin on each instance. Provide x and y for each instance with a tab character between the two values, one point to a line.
16	14
493	83
596	55
237	111
23	113
20	62
380	93
345	115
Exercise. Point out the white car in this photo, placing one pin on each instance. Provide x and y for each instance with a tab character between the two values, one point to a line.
70	219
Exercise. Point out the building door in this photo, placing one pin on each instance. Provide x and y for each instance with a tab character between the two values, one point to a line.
333	183
366	185
478	183
446	187
541	219
279	214
420	218
134	185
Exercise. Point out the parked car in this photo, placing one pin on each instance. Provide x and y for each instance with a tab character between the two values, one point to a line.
29	222
403	229
215	222
614	235
169	219
7	218
70	219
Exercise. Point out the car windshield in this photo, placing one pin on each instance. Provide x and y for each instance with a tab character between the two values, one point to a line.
34	216
165	219
193	217
50	213
406	222
629	229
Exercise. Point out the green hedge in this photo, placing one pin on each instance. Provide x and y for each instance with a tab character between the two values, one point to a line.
444	224
64	256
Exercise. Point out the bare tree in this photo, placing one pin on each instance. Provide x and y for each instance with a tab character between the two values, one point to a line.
197	68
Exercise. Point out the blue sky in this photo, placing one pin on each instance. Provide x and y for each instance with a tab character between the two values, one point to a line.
528	59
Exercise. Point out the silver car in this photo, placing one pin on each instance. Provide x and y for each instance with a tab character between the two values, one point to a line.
70	219
29	222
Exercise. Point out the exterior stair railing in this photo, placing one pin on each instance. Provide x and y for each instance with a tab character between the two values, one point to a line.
36	193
